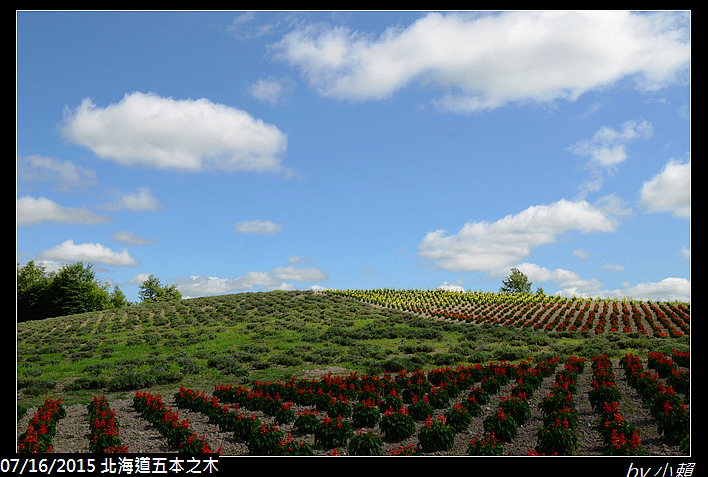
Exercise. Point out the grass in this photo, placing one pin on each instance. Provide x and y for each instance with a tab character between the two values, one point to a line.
246	337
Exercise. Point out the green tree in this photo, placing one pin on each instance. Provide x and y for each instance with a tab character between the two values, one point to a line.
118	298
517	282
32	292
74	289
152	290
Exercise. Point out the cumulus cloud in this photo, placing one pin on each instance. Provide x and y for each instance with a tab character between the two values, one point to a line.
456	286
265	227
670	190
495	247
139	278
668	289
569	282
491	60
185	135
36	210
278	278
142	200
88	252
66	175
607	149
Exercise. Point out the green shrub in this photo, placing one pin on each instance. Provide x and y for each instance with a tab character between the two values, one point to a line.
365	443
436	436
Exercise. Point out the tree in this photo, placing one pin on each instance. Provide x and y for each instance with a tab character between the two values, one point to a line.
152	290
517	282
74	289
118	298
32	286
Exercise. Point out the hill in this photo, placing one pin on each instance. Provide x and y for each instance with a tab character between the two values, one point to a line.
283	340
273	335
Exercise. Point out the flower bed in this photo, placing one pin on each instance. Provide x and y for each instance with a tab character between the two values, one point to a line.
41	428
104	428
177	433
669	410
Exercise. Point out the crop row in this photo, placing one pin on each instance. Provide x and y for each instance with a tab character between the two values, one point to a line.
393	404
537	312
620	437
177	433
558	435
41	428
359	412
665	405
104	428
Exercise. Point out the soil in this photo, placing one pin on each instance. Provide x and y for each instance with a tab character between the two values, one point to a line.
135	432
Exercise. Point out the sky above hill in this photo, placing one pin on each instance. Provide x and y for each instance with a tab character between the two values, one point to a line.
227	152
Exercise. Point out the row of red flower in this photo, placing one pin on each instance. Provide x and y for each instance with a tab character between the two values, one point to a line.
177	433
512	411
670	321
558	435
667	407
41	428
666	368
620	437
104	428
260	437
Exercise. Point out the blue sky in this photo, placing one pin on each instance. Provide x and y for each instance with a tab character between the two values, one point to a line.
248	151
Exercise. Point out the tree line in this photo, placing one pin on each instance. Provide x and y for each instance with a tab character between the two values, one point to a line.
75	289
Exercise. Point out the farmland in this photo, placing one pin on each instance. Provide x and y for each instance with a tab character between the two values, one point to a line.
239	352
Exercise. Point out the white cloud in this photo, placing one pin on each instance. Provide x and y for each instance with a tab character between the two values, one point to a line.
668	289
686	252
614	268
185	135
143	200
265	227
271	90
128	238
570	283
583	254
607	149
497	246
89	253
670	190
276	279
139	278
491	60
66	175
33	211
456	286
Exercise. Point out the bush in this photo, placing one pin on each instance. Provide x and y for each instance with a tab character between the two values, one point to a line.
285	360
398	424
365	414
436	435
84	383
487	446
503	426
458	417
264	440
333	432
365	443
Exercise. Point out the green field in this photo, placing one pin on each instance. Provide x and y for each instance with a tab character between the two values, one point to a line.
268	336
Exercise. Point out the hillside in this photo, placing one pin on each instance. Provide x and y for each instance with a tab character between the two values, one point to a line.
269	336
253	339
